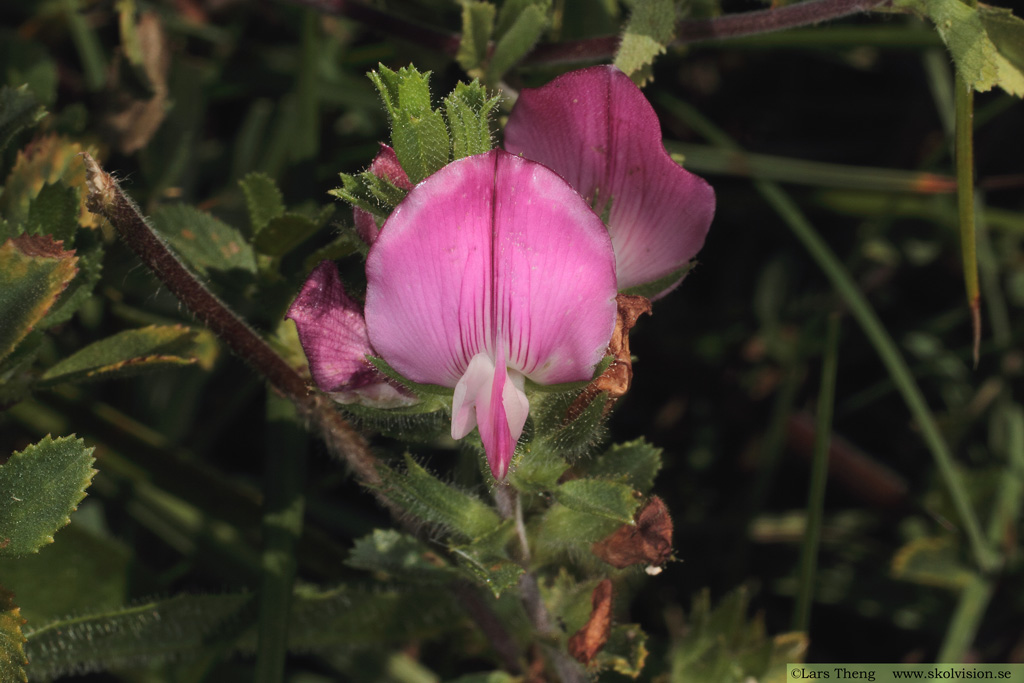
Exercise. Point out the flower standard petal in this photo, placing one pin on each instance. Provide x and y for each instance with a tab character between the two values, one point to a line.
491	270
596	129
333	335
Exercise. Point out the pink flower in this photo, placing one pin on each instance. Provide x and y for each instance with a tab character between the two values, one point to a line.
333	335
596	129
491	271
385	165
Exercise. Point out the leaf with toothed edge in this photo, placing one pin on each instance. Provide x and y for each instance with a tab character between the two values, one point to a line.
42	485
12	652
34	270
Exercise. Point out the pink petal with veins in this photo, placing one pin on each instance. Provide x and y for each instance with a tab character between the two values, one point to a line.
491	270
333	335
596	129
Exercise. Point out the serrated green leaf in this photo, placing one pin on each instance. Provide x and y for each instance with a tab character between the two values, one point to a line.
429	499
42	485
263	200
538	470
90	268
637	462
282	234
12	653
650	29
573	438
126	353
468	111
564	532
600	498
202	241
978	59
44	161
418	133
477	24
34	270
399	555
355	191
54	212
931	562
519	39
19	109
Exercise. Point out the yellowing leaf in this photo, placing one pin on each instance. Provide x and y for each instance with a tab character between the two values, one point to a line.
12	655
43	162
34	270
650	29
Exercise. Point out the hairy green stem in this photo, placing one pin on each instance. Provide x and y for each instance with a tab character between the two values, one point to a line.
819	477
107	199
873	328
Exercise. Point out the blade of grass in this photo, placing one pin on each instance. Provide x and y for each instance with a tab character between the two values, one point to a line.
976	595
965	202
710	159
868	320
94	66
819	478
282	525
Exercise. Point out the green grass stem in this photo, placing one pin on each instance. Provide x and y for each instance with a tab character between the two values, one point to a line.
964	96
94	65
282	525
819	478
869	322
715	159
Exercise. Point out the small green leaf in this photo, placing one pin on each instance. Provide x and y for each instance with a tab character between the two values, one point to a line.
477	24
90	268
42	485
429	499
420	389
649	289
126	353
1006	31
12	654
18	110
650	29
498	575
931	562
399	555
202	241
564	532
34	270
283	233
519	39
345	244
979	59
418	133
468	111
54	212
637	462
263	199
538	470
571	438
607	499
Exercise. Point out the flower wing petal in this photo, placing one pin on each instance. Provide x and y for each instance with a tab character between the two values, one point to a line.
596	129
333	335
